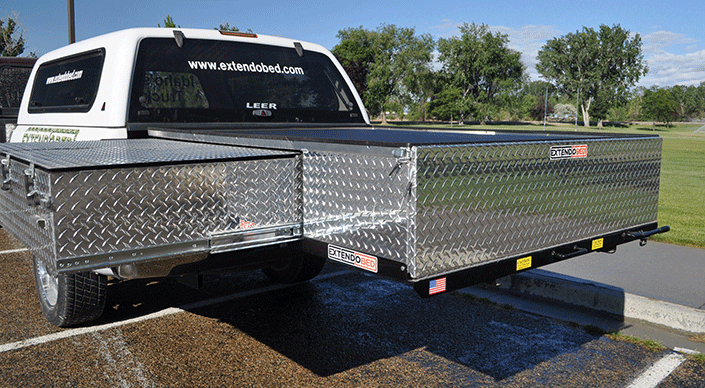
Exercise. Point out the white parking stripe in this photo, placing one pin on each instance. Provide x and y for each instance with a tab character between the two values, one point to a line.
169	311
14	251
658	372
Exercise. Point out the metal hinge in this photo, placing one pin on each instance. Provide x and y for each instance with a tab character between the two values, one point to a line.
403	156
6	179
34	197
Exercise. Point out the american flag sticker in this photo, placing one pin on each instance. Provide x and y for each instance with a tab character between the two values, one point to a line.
436	286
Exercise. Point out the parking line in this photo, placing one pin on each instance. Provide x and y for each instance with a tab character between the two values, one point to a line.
658	372
163	313
14	251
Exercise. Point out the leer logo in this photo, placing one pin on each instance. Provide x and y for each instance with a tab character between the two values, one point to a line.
353	258
569	152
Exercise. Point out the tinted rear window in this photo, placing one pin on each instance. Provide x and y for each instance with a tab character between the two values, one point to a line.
13	80
67	85
221	81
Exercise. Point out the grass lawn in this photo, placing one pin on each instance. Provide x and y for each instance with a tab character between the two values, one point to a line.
682	191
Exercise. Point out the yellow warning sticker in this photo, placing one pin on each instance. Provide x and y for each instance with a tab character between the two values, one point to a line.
524	263
597	244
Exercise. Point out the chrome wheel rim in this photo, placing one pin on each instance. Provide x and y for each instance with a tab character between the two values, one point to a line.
49	283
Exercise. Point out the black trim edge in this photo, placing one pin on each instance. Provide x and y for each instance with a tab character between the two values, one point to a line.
503	267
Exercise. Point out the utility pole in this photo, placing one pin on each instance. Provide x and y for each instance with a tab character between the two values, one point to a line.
72	24
545	109
577	104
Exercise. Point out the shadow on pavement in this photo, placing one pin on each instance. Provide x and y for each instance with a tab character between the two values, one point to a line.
348	321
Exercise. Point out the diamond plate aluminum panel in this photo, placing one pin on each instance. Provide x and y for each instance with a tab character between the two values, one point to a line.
481	203
436	209
360	201
97	211
32	225
106	153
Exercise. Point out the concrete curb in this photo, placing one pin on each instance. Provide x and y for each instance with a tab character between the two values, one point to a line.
604	299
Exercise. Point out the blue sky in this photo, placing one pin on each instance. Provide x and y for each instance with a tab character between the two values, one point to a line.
672	32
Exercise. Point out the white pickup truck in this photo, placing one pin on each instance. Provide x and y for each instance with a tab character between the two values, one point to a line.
178	152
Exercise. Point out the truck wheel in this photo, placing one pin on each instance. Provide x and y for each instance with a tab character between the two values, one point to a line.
296	269
70	299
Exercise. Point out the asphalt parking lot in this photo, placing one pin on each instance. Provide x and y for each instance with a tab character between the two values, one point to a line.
345	328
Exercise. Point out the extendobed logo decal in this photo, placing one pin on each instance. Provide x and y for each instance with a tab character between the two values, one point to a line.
569	152
350	257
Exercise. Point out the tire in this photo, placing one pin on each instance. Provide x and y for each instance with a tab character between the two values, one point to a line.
70	299
296	269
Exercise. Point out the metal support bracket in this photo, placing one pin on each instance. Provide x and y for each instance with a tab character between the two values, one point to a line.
32	194
577	251
642	236
6	179
403	156
34	197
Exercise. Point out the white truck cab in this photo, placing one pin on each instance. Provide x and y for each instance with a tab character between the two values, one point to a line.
114	86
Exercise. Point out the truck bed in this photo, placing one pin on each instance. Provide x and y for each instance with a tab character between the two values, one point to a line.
464	207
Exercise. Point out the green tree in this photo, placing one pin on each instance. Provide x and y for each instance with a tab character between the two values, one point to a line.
479	63
534	99
227	27
388	63
565	111
689	100
398	54
618	113
168	23
528	103
11	40
598	66
700	97
418	83
447	104
659	105
356	53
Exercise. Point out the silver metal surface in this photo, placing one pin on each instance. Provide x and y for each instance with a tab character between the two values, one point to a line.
106	211
438	209
478	204
432	209
361	202
354	196
114	153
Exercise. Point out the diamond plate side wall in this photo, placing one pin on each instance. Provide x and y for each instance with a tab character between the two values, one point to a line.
99	211
113	210
24	221
484	202
358	201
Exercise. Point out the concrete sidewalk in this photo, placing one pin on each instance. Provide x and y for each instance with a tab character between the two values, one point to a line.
659	284
666	272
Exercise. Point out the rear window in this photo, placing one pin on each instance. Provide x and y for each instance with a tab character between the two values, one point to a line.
13	80
221	81
67	85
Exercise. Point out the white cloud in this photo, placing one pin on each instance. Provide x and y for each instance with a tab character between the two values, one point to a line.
446	29
668	69
670	63
663	37
659	41
528	40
